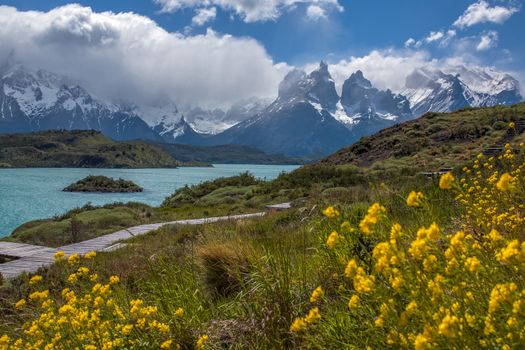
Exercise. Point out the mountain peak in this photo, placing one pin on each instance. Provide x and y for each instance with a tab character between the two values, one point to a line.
362	101
359	79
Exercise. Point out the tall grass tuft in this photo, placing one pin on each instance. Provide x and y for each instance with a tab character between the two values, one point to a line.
225	267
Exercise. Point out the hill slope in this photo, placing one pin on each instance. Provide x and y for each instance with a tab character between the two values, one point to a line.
80	149
224	154
434	140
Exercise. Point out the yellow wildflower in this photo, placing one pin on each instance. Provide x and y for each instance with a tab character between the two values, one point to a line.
127	329
506	254
447	326
166	344
472	264
421	342
20	304
73	259
371	218
201	341
332	240
505	182
73	278
114	279
82	270
414	199
313	316
90	255
179	312
298	325
316	294
495	236
35	279
351	268
354	301
59	256
446	180
330	212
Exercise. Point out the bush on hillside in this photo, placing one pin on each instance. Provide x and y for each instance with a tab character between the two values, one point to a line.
189	194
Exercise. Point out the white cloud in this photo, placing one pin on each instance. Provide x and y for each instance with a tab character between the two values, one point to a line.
451	33
481	12
487	41
204	15
410	42
250	10
434	36
125	55
314	12
388	69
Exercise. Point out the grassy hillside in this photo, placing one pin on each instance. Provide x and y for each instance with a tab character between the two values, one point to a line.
81	149
225	154
435	140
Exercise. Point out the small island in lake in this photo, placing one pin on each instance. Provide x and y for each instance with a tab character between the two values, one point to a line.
106	184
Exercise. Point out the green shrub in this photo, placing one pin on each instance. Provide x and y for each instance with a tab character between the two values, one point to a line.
189	194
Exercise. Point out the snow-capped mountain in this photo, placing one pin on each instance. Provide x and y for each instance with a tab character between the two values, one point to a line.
299	122
308	117
367	109
40	100
214	121
434	90
165	119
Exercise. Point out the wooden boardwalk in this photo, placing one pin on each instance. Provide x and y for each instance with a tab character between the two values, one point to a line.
29	258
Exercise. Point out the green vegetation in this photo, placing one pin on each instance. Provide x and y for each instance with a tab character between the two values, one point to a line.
433	141
382	267
79	149
93	183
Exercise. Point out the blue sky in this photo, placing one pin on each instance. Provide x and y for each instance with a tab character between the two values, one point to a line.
362	26
302	32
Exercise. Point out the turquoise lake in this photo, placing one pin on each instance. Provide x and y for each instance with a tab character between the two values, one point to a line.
29	194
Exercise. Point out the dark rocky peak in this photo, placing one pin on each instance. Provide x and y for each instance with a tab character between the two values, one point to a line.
357	90
357	78
322	88
293	84
316	87
359	96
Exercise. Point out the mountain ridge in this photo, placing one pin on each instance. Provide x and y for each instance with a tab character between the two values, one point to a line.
307	119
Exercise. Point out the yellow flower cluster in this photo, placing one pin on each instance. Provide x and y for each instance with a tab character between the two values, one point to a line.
301	323
371	218
493	199
87	315
446	181
332	240
330	212
414	199
316	294
429	287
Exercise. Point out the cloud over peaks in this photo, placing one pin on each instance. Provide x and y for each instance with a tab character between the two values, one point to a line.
125	55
